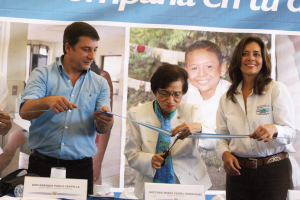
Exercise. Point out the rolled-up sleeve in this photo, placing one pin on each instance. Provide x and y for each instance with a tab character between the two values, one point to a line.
104	97
36	86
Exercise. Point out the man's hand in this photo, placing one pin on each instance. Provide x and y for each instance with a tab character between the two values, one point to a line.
264	131
59	104
104	121
56	103
5	123
157	160
231	164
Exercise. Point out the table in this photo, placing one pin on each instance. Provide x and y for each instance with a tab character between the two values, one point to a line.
117	194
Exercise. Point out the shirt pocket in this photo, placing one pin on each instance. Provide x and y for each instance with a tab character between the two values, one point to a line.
88	101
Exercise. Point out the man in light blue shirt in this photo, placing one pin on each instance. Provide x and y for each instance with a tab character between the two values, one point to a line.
64	136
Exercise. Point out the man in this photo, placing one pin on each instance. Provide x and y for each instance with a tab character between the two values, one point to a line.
64	136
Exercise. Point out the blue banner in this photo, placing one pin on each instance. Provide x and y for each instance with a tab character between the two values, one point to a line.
246	14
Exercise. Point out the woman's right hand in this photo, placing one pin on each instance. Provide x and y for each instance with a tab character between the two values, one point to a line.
157	160
231	164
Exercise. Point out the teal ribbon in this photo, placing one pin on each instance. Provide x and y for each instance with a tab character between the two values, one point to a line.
166	173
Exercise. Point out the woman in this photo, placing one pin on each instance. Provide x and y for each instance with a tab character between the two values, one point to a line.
257	167
145	146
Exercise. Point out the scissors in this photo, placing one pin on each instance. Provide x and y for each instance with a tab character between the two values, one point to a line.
168	150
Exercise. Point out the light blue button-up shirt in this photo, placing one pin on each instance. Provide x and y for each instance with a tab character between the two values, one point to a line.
71	134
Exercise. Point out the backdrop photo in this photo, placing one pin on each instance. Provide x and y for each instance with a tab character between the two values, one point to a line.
149	49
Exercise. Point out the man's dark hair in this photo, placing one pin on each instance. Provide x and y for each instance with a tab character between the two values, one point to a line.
166	74
205	44
77	29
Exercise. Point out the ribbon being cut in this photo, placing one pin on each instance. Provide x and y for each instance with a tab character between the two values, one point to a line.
164	132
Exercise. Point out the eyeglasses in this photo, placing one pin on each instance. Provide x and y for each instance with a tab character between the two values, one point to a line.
166	94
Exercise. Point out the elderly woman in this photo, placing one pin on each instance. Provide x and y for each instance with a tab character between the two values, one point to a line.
257	167
144	149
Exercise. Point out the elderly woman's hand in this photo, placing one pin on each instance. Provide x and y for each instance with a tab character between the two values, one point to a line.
187	129
157	160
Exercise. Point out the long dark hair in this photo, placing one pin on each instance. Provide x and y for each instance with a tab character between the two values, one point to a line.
235	73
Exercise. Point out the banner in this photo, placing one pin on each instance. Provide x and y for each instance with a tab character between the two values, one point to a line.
136	37
248	14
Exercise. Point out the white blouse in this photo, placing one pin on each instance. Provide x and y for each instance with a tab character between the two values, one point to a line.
274	106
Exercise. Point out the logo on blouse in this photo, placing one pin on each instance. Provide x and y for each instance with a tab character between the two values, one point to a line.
263	110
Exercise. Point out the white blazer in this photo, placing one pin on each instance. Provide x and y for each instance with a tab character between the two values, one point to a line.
187	163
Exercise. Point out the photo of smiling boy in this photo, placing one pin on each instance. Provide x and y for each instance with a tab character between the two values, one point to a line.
204	64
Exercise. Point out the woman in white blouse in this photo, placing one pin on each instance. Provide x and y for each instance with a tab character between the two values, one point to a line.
257	167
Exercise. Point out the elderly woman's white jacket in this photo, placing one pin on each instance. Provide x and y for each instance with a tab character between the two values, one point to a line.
187	163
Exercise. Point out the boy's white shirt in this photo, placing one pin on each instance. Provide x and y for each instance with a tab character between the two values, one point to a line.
208	107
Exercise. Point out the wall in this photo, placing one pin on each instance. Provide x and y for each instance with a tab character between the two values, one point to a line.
54	47
16	62
116	44
58	50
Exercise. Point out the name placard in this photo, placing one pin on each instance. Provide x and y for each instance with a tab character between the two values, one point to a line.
158	191
293	195
55	188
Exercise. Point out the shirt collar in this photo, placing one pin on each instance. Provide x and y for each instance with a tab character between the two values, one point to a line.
239	88
60	67
266	89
